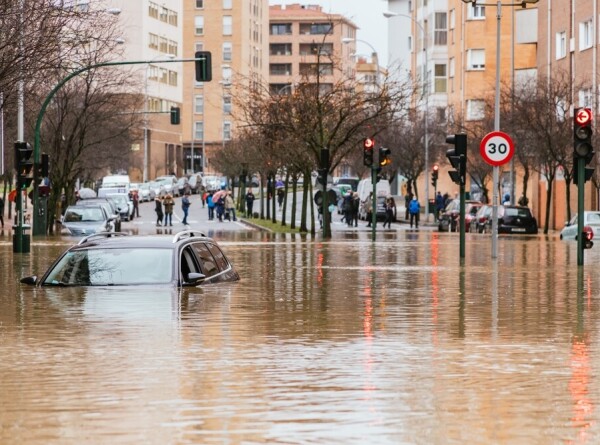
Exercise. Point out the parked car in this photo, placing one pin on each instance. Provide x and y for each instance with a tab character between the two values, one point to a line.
108	205
182	185
449	218
80	220
146	192
123	205
187	259
158	188
514	219
170	185
590	219
478	223
352	182
195	183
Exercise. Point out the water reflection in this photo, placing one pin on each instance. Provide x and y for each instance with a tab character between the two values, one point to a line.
343	341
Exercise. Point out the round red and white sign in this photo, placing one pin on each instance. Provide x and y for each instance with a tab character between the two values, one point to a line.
583	116
497	148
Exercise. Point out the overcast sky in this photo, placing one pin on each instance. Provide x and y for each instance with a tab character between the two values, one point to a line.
366	14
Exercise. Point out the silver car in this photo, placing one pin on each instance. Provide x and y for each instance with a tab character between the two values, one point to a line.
86	220
146	192
591	219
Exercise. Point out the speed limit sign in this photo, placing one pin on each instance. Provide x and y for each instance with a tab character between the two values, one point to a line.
497	148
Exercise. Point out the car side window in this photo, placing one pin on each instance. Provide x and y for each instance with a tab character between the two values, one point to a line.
187	264
207	261
219	256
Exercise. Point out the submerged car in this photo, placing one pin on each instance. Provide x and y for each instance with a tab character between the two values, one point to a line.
188	258
82	220
590	219
514	219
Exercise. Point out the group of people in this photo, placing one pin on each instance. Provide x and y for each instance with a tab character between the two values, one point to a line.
164	209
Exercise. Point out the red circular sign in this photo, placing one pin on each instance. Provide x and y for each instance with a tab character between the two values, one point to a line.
497	148
583	116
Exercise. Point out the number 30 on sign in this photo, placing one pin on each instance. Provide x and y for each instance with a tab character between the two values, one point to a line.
497	148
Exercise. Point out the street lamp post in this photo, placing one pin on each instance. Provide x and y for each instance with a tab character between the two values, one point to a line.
347	40
425	82
146	139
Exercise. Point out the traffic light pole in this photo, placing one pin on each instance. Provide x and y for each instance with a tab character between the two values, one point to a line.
374	202
580	208
39	217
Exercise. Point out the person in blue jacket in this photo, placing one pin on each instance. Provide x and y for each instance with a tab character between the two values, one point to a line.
211	206
414	208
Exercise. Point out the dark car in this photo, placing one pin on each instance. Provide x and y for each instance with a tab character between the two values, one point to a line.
514	219
81	220
115	259
107	204
478	224
449	218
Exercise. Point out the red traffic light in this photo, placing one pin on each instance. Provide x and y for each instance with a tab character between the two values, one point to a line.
436	168
588	232
369	143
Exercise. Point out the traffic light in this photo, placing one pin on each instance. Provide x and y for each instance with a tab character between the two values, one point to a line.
322	176
434	175
23	164
458	158
384	156
175	115
368	147
378	175
587	236
42	169
582	142
203	66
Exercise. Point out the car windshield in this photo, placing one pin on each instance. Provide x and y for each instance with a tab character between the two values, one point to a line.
119	199
83	215
521	213
107	267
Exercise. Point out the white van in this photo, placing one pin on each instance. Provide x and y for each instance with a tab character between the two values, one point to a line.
365	187
114	184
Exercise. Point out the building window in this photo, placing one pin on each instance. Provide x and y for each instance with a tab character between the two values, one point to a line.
163	44
281	29
314	69
476	12
313	49
476	59
227	50
153	41
585	98
163	15
199	4
452	67
153	10
199	130
280	69
280	49
199	25
226	131
172	47
475	109
227	25
199	46
440	35
226	73
227	4
316	28
227	104
586	35
561	45
173	78
440	85
199	103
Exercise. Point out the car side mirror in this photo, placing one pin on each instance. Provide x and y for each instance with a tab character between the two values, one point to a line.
29	280
194	278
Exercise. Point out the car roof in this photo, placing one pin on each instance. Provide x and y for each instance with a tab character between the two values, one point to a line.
124	241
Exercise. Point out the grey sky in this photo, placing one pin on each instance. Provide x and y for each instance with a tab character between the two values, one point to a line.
366	14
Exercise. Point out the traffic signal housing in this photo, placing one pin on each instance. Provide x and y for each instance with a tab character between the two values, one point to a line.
23	164
203	66
458	158
368	148
175	115
582	142
384	156
434	175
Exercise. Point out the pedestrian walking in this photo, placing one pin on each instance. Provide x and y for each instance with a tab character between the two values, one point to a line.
368	208
390	207
280	195
158	208
168	204
355	207
220	207
135	198
185	206
439	205
204	197
230	207
407	200
414	209
249	203
211	206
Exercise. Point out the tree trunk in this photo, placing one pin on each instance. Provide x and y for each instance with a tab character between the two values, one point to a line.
548	201
294	202
285	199
305	191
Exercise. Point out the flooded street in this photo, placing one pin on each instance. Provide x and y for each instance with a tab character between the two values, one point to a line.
339	342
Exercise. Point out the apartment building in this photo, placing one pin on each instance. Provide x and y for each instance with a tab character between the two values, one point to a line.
235	32
302	36
153	31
